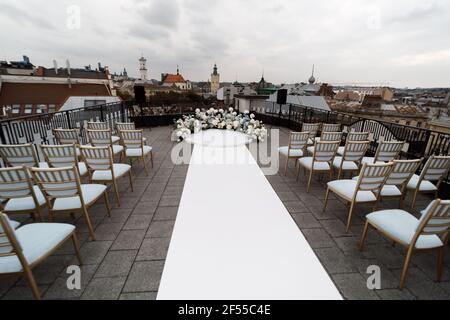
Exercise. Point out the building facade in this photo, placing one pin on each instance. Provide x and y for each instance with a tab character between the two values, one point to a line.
215	81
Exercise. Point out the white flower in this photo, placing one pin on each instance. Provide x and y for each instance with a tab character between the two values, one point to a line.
252	116
197	110
229	127
231	109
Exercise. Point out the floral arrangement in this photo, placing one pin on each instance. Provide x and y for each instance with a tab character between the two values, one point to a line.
219	119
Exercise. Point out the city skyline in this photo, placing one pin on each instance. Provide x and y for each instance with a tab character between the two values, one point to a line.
349	42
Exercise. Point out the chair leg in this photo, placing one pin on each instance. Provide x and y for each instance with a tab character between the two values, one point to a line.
34	288
286	166
327	195
440	261
131	181
89	223
413	203
39	214
145	165
405	268
364	236
309	181
350	216
76	246
116	191
151	157
108	208
298	172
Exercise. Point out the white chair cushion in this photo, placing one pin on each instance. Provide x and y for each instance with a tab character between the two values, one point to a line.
138	152
105	175
117	149
37	240
403	226
297	153
43	165
425	185
311	150
370	160
346	189
348	165
25	204
317	139
307	163
82	168
90	193
390	191
115	139
341	151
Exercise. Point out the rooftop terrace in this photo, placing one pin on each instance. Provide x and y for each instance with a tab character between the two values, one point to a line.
127	259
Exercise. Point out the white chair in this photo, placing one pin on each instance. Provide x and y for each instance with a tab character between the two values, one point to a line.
435	170
326	136
65	194
321	161
23	249
104	138
351	137
102	168
68	136
133	142
61	156
97	125
313	129
364	190
296	148
387	151
23	155
331	127
351	159
430	232
127	126
19	194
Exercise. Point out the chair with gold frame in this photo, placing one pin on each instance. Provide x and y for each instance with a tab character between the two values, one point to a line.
67	136
313	129
97	125
23	249
329	127
364	190
18	193
127	126
65	194
352	137
296	148
387	151
429	233
133	142
436	169
64	156
22	155
321	161
324	137
351	160
102	168
102	138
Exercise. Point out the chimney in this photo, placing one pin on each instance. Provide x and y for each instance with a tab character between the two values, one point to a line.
68	67
40	71
55	65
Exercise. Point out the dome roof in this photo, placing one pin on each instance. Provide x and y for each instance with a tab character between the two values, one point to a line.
312	80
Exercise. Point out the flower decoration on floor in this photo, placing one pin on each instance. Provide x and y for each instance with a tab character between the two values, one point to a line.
219	119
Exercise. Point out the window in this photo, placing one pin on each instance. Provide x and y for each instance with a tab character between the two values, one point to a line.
28	109
42	108
51	108
15	109
92	103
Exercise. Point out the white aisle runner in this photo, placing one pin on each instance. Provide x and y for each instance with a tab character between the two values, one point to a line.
235	240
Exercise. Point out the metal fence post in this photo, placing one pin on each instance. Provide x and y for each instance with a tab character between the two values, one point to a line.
102	118
69	123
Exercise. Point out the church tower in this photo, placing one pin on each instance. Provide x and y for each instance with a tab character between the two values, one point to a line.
215	80
143	69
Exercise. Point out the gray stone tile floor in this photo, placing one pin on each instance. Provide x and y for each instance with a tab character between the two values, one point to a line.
127	259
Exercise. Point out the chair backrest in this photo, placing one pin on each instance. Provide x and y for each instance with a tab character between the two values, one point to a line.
15	183
19	155
97	158
97	125
358	136
373	176
99	138
355	151
402	171
331	127
125	126
312	128
435	220
331	136
298	140
60	156
436	168
325	151
132	139
388	151
9	244
67	136
57	183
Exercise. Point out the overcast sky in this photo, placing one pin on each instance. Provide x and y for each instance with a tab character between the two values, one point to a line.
400	43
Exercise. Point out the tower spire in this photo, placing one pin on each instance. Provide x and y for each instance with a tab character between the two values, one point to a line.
178	70
312	80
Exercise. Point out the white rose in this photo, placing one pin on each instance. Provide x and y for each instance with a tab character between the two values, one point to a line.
231	109
229	127
197	110
252	116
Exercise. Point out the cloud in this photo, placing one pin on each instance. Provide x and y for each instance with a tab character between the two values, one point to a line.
430	58
24	16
